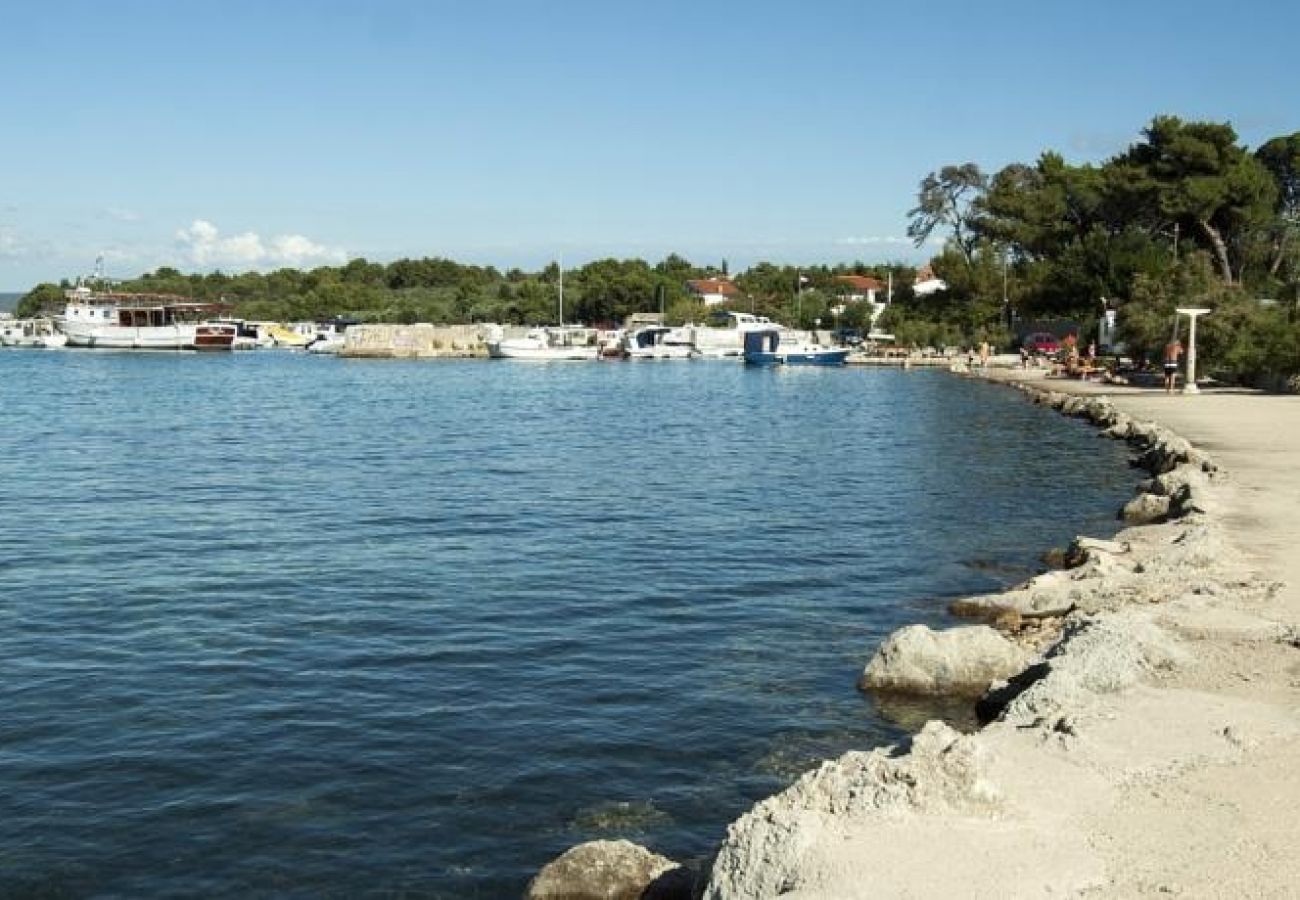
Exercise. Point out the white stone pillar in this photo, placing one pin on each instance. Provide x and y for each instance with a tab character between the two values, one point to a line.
1189	383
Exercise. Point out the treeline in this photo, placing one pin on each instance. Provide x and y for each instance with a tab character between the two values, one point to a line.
1187	216
443	291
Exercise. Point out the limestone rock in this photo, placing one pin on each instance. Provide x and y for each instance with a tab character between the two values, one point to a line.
765	850
958	661
1145	509
611	870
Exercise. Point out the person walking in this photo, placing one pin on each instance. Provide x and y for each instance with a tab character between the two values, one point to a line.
1173	353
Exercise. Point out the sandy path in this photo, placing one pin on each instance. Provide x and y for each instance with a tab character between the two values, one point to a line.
1227	828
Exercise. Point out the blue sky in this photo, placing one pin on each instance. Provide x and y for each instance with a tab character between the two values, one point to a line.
241	135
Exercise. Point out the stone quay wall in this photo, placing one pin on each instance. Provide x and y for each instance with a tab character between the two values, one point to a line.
419	341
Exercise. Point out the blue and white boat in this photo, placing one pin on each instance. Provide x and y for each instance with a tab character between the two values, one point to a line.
763	347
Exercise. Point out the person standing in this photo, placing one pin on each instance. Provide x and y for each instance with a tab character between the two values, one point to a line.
1173	353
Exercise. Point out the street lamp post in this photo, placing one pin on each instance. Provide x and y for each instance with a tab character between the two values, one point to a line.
1189	383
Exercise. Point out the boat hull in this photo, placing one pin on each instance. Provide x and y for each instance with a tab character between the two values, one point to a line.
661	352
503	351
120	337
798	358
214	337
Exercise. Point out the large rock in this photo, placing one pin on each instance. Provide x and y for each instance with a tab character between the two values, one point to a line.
959	661
611	870
1144	509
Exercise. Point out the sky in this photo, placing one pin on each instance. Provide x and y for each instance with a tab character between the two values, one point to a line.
255	135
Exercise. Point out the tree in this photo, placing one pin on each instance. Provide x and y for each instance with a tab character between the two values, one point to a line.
1202	179
42	299
946	198
1281	157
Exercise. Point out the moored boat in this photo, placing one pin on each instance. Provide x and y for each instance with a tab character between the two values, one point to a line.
727	339
554	342
763	347
564	342
214	336
123	321
30	333
657	342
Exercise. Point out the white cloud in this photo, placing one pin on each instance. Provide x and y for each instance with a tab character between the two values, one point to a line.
121	215
203	245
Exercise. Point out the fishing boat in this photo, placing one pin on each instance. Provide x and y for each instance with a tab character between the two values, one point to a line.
550	342
764	347
657	342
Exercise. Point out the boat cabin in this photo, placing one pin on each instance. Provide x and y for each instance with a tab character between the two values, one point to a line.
134	310
762	341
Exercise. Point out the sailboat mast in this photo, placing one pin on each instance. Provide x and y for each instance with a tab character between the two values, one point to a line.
561	291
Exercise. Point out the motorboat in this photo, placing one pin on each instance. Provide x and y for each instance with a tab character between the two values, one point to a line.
657	342
548	342
30	333
210	336
764	347
331	336
724	340
248	335
557	342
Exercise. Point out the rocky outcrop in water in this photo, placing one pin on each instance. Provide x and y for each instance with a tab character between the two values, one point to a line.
957	661
611	870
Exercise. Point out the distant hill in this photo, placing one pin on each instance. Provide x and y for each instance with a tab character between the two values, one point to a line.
9	301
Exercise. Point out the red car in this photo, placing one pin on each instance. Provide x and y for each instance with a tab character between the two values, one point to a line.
1041	342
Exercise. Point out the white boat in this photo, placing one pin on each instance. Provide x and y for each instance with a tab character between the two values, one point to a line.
329	344
657	342
556	342
30	333
549	342
139	322
248	335
725	341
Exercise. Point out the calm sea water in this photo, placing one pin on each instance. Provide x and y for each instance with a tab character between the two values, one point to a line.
287	625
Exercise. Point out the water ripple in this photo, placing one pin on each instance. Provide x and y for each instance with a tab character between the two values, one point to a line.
279	625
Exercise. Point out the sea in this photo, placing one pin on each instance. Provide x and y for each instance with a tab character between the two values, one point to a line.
276	624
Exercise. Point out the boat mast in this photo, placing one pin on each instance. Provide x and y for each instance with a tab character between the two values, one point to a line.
561	291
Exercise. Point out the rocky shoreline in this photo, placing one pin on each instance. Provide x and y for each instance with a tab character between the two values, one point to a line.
1099	684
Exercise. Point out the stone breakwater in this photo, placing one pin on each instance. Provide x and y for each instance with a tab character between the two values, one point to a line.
420	341
1114	690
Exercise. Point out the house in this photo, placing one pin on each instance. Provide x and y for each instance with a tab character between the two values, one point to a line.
713	290
926	282
860	287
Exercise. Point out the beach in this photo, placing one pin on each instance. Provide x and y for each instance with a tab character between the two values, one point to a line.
1154	752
